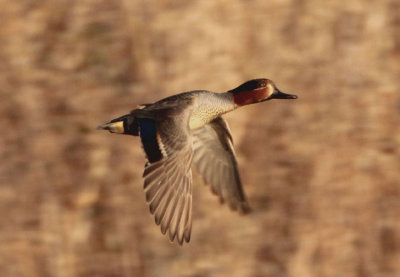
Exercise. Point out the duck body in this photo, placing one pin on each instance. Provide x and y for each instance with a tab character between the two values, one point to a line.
188	128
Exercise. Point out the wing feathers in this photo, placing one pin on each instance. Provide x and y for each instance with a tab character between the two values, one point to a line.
188	225
168	180
169	214
170	149
215	160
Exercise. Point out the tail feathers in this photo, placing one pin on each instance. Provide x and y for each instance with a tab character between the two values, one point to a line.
126	124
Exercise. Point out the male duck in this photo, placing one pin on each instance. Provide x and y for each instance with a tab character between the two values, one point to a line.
188	127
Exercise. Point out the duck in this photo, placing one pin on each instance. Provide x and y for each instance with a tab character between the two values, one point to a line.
188	129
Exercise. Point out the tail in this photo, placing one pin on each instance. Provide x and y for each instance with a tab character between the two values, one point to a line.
126	124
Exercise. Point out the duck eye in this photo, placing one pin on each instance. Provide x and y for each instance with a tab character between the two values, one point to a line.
262	84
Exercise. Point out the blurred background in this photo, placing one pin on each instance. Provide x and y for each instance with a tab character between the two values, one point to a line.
322	173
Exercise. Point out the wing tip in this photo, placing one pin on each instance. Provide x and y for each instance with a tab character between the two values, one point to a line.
181	241
243	208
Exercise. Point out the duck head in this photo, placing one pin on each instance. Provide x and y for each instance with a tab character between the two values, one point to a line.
258	90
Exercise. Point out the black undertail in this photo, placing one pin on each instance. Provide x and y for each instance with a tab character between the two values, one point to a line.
131	124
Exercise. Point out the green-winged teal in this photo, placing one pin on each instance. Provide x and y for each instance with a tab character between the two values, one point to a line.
186	128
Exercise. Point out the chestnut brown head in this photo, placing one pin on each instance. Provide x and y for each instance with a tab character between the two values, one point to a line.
258	90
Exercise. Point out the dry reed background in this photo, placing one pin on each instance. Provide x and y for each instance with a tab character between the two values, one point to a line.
322	173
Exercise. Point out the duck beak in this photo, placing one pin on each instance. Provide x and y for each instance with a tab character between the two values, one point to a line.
113	127
281	95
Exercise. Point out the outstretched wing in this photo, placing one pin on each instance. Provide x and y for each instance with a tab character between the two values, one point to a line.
167	175
215	160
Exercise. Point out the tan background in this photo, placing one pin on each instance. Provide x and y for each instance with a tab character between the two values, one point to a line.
322	173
